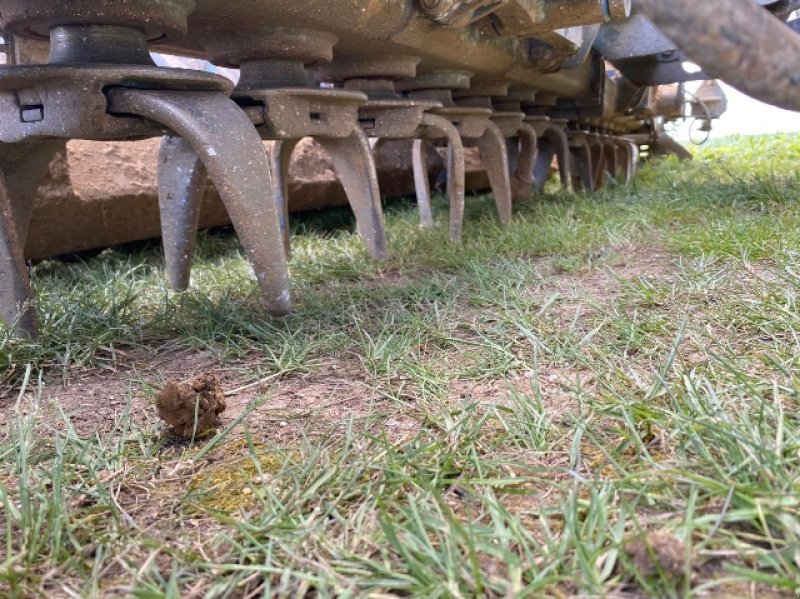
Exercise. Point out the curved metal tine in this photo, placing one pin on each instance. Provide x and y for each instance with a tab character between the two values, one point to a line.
22	167
624	161
232	152
492	148
15	290
456	171
355	166
456	183
25	165
553	142
577	158
281	159
583	171
634	157
522	180
559	138
422	183
181	179
598	164
666	146
611	168
513	150
544	162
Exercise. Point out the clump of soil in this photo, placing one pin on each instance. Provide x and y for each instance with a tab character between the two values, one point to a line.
201	398
658	553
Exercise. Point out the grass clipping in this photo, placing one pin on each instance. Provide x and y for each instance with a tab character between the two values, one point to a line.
193	407
238	482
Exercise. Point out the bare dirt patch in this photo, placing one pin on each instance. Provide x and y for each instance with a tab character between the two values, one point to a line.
658	553
605	282
96	401
552	384
336	394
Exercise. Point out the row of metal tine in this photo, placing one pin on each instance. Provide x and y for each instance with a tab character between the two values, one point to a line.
209	135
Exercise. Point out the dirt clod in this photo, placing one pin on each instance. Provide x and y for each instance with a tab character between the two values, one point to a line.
658	553
201	397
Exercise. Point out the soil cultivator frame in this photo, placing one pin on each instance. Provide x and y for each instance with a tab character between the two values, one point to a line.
587	82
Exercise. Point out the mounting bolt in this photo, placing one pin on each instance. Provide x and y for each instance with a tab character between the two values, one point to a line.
436	9
31	114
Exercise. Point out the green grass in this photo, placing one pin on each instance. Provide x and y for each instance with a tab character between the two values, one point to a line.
606	368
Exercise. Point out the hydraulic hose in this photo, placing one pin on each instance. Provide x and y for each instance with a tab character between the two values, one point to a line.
737	41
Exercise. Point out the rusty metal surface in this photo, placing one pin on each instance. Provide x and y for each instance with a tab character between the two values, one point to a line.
709	101
471	116
330	116
294	113
524	81
509	123
276	91
762	64
459	13
15	292
21	168
633	38
69	102
525	17
280	159
529	17
551	142
161	20
388	114
437	127
224	140
98	84
666	146
492	146
355	165
381	28
180	184
522	168
393	119
422	183
583	171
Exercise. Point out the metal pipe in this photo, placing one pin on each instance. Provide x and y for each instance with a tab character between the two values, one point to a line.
737	41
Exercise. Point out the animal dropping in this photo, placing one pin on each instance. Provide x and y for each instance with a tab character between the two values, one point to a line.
193	407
